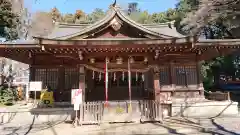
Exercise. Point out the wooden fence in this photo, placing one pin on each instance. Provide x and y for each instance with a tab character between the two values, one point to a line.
218	96
120	111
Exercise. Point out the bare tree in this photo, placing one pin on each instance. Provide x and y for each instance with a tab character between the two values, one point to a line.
56	15
42	24
2	65
28	26
226	11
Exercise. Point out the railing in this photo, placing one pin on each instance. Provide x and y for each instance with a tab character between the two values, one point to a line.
120	111
218	96
92	112
150	110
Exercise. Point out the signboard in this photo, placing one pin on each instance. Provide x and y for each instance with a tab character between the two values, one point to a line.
47	98
76	96
76	107
35	86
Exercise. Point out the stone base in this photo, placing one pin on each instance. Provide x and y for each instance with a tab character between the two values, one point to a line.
204	108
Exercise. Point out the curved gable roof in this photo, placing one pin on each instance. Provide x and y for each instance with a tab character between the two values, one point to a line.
68	31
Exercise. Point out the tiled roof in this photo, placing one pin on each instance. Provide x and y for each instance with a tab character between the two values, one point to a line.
66	31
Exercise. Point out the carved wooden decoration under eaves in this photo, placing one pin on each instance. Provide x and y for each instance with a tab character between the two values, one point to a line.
116	24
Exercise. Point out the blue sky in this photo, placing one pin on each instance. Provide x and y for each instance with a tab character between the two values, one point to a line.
70	6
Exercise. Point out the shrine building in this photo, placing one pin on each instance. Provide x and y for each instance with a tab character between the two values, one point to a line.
117	59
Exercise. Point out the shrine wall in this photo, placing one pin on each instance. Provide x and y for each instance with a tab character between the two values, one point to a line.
178	77
60	79
172	80
178	81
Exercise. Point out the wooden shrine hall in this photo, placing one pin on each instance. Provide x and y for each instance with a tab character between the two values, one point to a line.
117	59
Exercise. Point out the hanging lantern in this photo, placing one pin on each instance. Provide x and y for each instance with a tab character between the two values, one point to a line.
157	54
114	77
136	76
143	77
199	52
92	60
30	55
119	60
131	60
107	60
93	75
80	55
43	48
100	76
145	60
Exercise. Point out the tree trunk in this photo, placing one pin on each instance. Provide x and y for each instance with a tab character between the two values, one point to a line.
1	72
2	65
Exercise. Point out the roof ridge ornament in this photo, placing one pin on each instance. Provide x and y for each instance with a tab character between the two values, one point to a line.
115	24
114	5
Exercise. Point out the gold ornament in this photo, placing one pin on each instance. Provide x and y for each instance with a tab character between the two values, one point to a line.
114	76
92	60
119	60
131	60
145	60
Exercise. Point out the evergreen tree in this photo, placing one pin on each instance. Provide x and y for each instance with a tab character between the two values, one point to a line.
8	20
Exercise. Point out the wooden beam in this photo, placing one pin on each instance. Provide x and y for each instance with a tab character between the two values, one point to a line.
113	42
53	66
22	46
21	57
209	54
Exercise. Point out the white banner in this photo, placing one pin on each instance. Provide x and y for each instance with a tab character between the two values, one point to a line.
76	96
35	86
76	107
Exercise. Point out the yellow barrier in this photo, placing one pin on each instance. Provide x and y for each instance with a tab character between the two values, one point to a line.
47	98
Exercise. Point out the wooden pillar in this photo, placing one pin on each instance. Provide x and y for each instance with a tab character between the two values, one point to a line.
199	77
82	81
61	84
156	83
145	83
32	73
82	86
172	76
32	69
200	81
157	91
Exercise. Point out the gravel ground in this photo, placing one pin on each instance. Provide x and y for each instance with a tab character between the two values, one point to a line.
29	125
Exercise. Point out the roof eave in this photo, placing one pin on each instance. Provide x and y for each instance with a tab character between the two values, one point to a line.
22	44
217	42
97	41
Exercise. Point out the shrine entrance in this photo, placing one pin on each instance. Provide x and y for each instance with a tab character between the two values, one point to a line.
119	90
118	87
128	80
